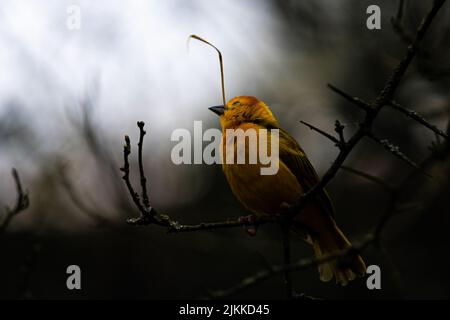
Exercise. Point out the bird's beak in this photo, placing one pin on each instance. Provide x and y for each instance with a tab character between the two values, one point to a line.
219	110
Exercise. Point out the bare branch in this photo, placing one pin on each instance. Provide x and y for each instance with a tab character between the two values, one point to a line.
369	177
398	26
79	201
400	9
329	136
22	202
142	133
417	117
398	73
175	227
148	214
339	128
392	148
302	264
126	176
327	177
356	101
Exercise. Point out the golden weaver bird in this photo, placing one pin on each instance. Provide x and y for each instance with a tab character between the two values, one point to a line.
268	194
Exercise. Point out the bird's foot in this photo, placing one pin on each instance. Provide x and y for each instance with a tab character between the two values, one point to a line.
249	228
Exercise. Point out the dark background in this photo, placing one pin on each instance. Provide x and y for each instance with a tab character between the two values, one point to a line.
62	120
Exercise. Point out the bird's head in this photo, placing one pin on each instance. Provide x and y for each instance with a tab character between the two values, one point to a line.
243	109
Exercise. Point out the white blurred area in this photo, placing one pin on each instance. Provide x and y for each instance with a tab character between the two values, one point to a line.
131	58
138	52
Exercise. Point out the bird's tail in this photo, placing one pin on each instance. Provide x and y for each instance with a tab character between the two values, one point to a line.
344	269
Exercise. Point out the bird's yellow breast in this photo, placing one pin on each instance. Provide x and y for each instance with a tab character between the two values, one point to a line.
262	194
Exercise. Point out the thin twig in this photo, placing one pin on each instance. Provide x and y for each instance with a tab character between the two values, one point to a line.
356	101
400	9
417	117
22	202
369	177
392	148
145	200
329	136
399	71
79	202
397	24
176	227
126	176
339	128
301	264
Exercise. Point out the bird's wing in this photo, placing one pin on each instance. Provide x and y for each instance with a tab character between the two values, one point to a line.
295	159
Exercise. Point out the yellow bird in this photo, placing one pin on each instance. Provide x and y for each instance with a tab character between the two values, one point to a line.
267	194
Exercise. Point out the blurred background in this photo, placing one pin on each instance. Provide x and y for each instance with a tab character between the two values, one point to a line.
69	95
